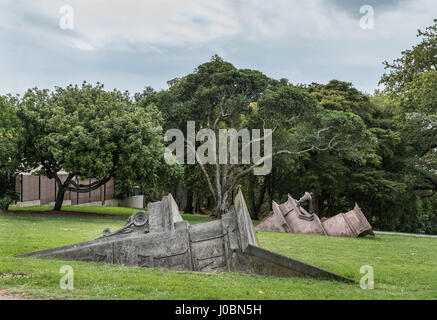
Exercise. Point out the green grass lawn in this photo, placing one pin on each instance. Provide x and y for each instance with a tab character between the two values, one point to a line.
191	218
98	209
404	267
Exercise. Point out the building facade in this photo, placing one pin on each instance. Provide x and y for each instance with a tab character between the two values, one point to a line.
40	190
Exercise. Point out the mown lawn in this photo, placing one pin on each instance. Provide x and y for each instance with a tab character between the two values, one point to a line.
192	218
404	267
98	209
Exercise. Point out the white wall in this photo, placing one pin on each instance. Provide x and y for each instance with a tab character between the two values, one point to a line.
131	202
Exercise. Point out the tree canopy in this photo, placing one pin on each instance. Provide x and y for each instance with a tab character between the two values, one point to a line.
11	131
411	84
219	96
90	133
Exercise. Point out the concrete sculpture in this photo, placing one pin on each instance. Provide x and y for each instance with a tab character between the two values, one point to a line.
162	239
291	217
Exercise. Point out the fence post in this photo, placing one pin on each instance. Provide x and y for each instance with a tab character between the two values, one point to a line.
21	188
77	193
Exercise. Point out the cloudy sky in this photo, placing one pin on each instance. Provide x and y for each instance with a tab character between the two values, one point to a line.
131	44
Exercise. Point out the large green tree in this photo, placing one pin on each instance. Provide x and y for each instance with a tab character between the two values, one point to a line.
411	83
328	175
219	96
90	133
10	150
421	58
383	181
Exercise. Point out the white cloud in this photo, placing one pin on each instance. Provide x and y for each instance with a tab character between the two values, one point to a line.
311	40
123	25
82	45
153	22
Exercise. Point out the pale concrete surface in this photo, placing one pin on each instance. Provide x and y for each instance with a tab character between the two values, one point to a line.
28	203
131	202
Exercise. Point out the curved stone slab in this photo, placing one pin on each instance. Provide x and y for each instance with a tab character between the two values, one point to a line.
349	224
291	217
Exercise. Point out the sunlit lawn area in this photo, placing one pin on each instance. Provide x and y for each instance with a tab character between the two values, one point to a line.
404	267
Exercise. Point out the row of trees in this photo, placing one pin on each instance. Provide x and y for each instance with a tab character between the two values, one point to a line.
331	139
85	131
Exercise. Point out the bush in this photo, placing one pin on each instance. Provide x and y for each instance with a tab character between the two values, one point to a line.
7	199
7	191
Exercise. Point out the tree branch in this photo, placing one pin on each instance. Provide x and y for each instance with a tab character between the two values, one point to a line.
202	167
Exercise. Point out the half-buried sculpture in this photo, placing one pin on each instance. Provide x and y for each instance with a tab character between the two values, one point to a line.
161	239
291	217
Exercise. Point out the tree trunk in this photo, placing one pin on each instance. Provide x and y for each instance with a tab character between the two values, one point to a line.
197	209
60	198
251	196
258	204
189	206
181	196
208	203
221	207
320	205
270	191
